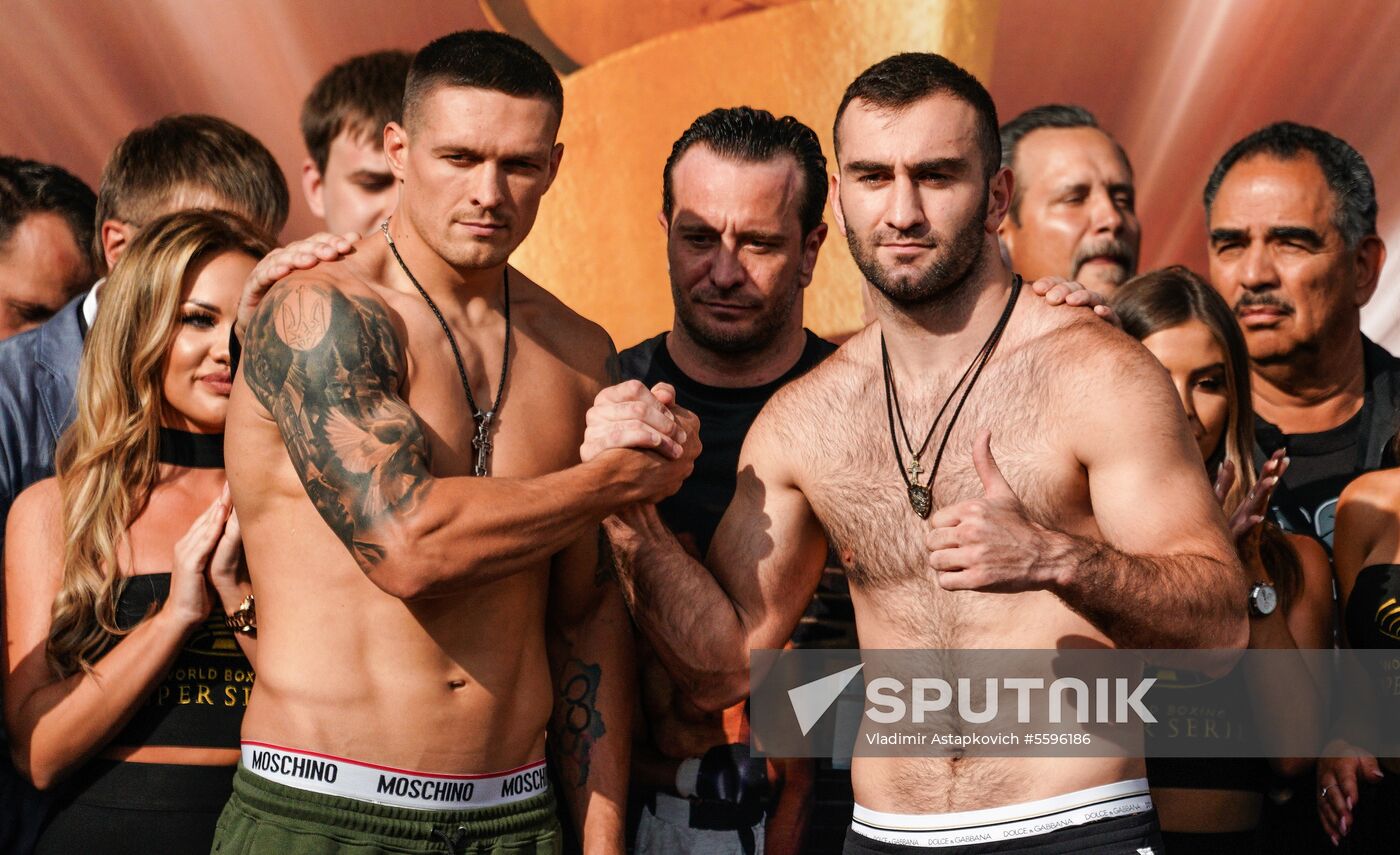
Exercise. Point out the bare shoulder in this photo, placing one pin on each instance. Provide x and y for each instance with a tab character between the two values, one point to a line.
1368	516
35	525
321	327
794	414
578	342
1092	369
301	307
1379	490
39	503
1317	567
1082	345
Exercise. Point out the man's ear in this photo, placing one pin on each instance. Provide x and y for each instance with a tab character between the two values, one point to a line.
1003	184
115	236
834	194
665	223
395	148
556	157
811	246
1370	258
311	186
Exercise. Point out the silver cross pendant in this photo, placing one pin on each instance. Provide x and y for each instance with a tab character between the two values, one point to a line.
482	443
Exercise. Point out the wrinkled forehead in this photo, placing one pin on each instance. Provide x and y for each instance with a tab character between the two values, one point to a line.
1265	190
719	190
1053	155
485	120
932	128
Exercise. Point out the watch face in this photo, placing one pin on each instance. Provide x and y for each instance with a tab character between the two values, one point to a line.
1264	598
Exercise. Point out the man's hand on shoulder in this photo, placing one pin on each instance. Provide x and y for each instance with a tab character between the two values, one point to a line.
1067	292
636	420
990	544
276	265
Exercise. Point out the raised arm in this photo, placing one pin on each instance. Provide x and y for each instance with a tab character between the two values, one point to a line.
764	564
591	655
1162	572
328	366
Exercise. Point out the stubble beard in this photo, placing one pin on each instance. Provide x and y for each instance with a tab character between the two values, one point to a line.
759	334
944	280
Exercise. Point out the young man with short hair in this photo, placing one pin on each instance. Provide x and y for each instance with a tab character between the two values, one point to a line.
432	586
345	179
1092	518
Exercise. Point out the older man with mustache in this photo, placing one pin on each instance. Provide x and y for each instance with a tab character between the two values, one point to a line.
1291	212
1072	205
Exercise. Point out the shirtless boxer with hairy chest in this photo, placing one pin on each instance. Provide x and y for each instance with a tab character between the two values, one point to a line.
420	623
1091	519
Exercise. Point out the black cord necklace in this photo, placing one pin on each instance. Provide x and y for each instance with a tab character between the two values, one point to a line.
481	419
921	495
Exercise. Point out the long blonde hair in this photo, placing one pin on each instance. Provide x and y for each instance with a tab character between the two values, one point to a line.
106	463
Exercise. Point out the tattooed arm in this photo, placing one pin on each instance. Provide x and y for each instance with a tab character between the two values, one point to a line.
590	649
328	365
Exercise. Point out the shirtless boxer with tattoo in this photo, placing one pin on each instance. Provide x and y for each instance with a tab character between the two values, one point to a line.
1092	520
423	624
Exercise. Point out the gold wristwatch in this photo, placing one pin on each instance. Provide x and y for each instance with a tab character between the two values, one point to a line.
245	619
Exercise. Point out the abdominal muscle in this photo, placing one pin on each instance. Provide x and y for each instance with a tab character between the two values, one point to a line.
451	685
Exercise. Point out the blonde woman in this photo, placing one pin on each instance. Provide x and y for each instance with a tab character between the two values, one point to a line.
124	685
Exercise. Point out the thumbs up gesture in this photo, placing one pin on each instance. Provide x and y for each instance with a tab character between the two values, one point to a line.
989	544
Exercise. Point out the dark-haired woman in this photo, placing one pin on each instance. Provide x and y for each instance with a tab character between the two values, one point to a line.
1358	794
1208	806
124	687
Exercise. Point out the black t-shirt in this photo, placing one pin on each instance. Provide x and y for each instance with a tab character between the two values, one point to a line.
725	413
1322	464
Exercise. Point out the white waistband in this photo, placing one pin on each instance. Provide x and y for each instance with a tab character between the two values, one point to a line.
1008	822
672	809
385	785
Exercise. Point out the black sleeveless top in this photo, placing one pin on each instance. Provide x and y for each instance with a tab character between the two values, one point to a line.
1373	610
201	700
1213	719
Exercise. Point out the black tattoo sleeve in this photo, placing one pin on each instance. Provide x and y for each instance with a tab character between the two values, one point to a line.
328	367
578	723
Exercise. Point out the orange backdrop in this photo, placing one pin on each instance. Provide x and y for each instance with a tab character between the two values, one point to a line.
1175	80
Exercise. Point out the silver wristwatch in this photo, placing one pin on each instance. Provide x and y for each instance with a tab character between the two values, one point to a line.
1263	599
